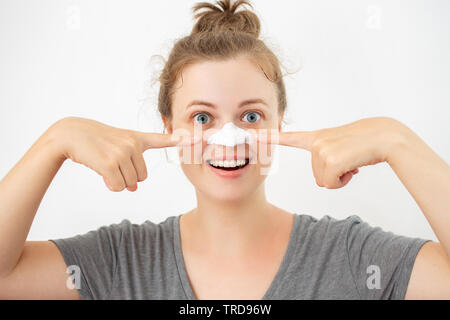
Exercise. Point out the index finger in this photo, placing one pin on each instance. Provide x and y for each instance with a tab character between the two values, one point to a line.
298	139
150	140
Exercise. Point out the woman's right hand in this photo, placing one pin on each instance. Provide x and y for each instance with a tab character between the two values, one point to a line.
114	153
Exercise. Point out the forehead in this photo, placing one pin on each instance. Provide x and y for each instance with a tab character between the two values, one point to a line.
226	82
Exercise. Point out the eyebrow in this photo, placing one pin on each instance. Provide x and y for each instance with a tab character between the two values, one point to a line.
242	104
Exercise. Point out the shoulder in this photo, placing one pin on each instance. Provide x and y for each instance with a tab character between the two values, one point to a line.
327	225
146	228
147	233
334	234
125	224
117	234
352	230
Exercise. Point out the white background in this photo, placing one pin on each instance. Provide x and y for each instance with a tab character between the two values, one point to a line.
92	59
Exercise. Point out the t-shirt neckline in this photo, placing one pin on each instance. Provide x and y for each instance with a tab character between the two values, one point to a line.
276	281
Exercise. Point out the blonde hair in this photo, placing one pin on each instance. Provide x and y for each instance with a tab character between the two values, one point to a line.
221	32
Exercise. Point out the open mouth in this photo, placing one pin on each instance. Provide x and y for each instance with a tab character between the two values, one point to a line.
229	165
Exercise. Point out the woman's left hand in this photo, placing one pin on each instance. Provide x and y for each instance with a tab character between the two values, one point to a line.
338	152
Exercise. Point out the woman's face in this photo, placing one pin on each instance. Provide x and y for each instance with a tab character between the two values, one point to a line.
211	94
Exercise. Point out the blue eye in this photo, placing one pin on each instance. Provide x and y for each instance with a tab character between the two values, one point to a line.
202	118
252	117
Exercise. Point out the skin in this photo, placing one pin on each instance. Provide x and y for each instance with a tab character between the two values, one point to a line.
232	218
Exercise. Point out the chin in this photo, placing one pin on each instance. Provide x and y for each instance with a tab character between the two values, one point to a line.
227	194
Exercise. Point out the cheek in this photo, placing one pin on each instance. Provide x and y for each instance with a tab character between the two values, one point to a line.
193	173
263	153
191	154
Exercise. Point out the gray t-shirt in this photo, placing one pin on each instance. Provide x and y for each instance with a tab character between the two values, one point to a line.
326	259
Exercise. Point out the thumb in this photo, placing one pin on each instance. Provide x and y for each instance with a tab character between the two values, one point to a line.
346	177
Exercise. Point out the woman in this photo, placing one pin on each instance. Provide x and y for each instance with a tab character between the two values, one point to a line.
234	244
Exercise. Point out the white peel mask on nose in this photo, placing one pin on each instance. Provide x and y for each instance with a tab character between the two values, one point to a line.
230	135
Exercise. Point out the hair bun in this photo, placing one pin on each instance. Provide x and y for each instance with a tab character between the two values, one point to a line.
223	17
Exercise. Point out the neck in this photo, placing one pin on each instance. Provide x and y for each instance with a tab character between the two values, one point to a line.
233	226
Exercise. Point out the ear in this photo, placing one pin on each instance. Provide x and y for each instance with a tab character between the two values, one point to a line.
167	124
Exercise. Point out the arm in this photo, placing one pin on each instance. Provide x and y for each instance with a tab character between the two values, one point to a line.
28	267
36	269
426	176
338	152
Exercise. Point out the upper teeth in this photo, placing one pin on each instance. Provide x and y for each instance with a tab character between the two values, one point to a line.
227	163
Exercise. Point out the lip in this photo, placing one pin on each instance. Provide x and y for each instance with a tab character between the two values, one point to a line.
228	158
228	174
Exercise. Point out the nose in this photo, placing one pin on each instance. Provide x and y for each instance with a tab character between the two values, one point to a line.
230	135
